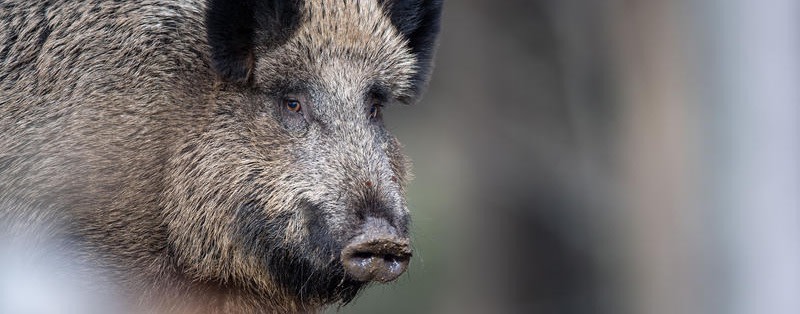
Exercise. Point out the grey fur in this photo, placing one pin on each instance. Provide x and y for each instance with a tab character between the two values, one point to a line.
118	134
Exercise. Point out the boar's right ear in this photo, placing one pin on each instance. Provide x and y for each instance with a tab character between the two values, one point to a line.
418	21
235	27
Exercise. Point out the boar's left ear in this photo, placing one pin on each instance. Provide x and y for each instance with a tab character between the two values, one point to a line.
418	21
235	27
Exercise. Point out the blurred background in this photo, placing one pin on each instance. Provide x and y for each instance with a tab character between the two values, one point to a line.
618	156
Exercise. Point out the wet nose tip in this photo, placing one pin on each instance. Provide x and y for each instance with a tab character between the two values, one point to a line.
378	260
378	254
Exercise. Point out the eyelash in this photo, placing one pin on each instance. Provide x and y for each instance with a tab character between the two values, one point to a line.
375	110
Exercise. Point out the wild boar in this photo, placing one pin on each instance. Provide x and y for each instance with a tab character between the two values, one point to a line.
230	154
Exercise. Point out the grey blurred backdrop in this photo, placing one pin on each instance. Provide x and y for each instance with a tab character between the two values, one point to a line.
605	157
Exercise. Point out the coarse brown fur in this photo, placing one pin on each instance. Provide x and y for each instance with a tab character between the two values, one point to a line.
174	167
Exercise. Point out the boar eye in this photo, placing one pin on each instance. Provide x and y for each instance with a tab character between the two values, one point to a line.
292	105
375	110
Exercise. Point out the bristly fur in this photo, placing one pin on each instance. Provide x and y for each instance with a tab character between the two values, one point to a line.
154	135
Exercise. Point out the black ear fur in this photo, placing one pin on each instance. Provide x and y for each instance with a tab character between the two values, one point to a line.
235	27
419	22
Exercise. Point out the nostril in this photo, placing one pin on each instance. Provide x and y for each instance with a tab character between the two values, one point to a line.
390	258
362	255
387	258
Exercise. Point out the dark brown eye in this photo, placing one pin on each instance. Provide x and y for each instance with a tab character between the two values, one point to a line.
375	110
292	105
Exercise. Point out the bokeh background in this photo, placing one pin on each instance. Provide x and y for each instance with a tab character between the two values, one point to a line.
618	156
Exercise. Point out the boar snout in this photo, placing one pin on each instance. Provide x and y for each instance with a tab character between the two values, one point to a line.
379	253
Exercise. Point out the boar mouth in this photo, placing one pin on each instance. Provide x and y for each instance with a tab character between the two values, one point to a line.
305	267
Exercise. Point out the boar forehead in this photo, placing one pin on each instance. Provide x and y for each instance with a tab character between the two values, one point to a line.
342	48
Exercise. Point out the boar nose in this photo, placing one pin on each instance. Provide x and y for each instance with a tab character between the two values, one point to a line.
377	254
